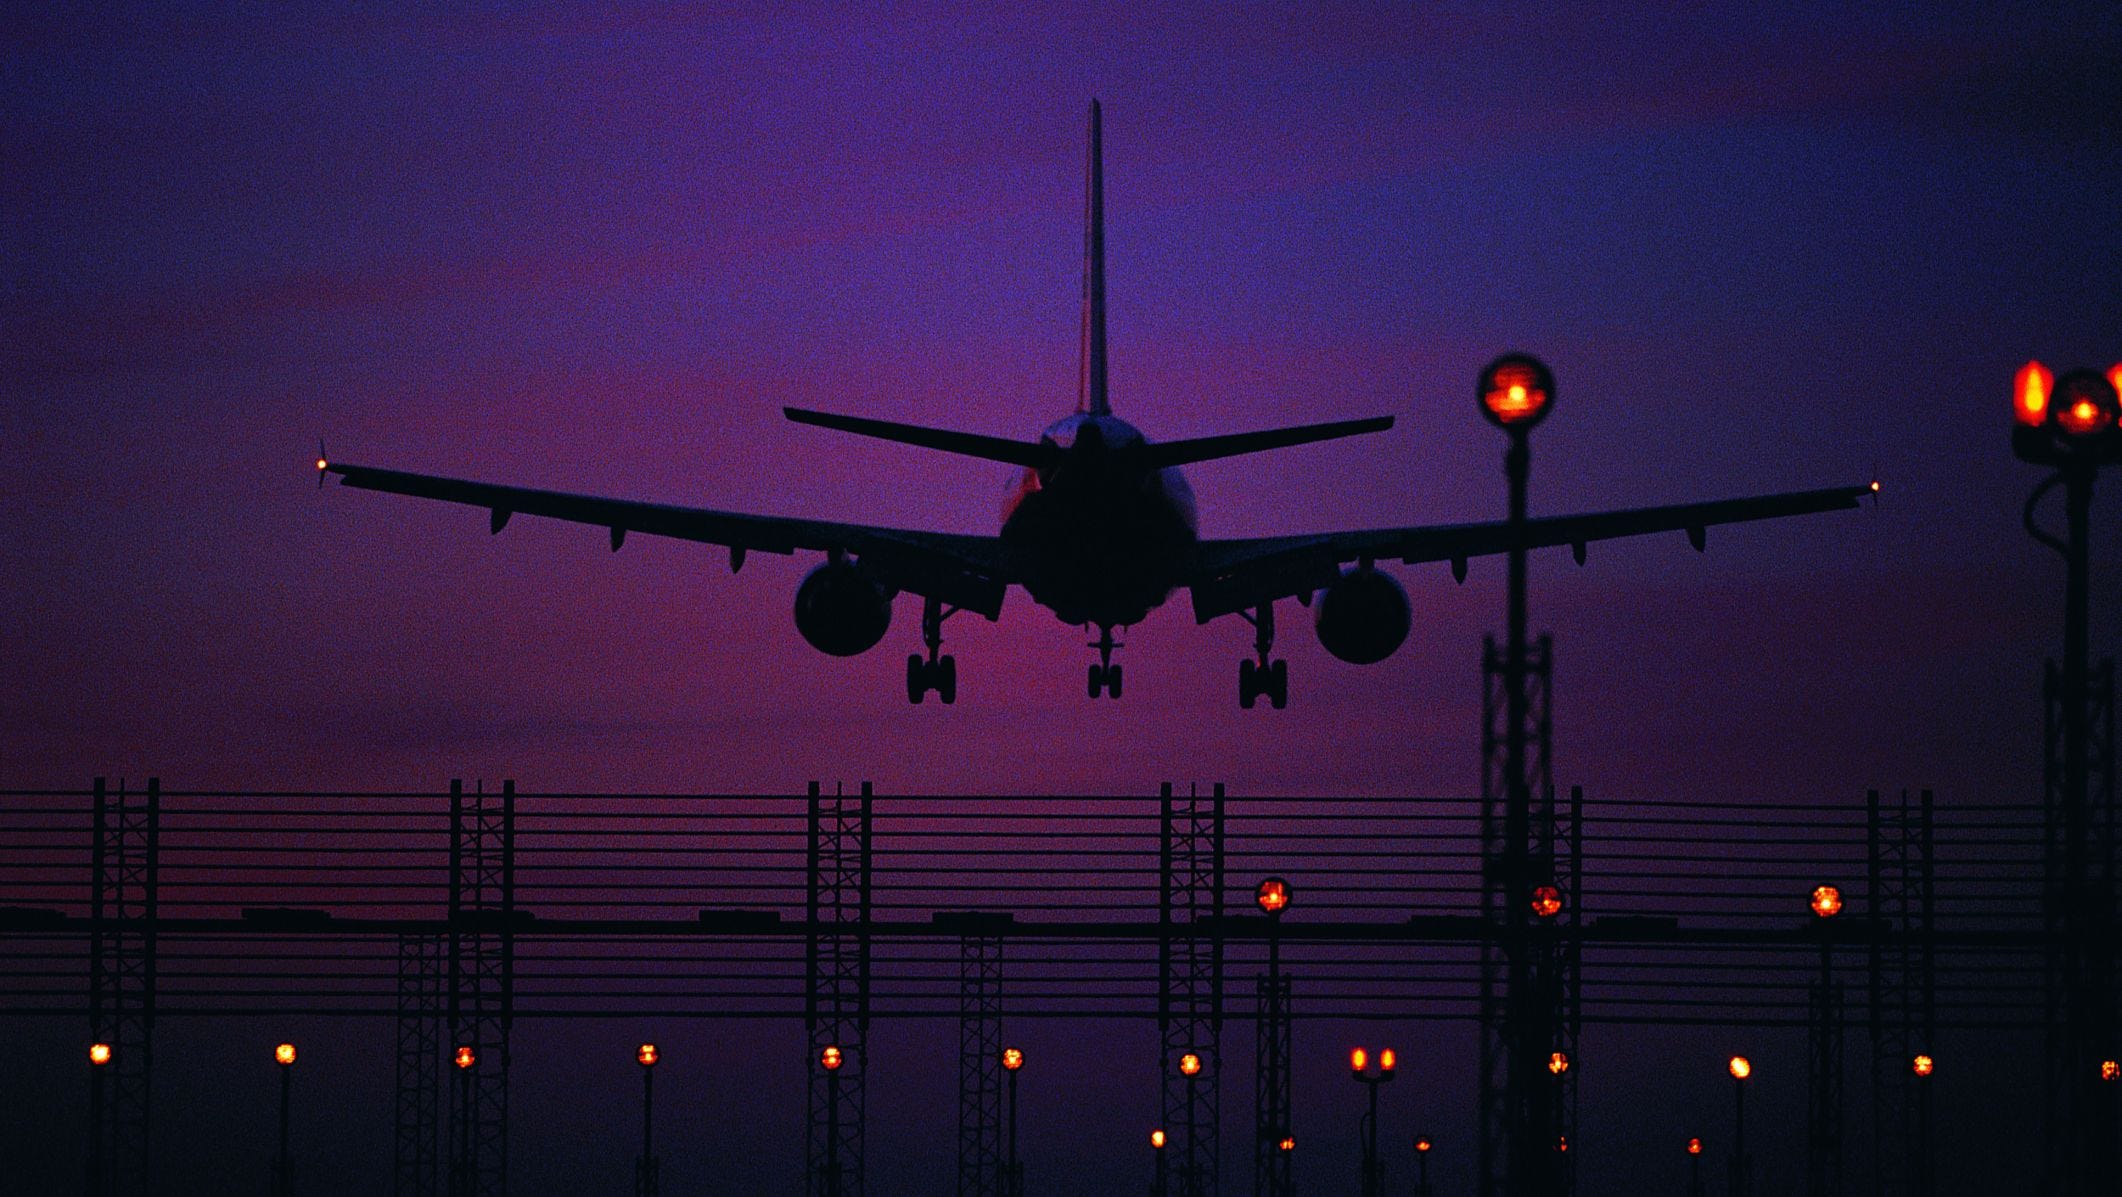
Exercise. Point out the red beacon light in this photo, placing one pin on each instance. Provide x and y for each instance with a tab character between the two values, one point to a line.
1423	1146
830	1059
1272	895
284	1054
1190	1064
1694	1145
465	1057
1922	1065
646	1055
1516	391
1012	1058
1827	901
1156	1138
99	1054
1546	901
1558	1062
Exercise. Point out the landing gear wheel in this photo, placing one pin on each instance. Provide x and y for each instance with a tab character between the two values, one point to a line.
1248	684
1277	684
947	680
916	678
1112	681
1097	680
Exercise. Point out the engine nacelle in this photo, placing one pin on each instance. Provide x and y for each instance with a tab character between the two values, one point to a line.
1363	616
841	612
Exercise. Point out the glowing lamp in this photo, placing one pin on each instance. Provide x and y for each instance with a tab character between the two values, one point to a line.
465	1057
1386	1060
1827	901
2030	390
646	1055
1272	895
1422	1145
1012	1058
1694	1146
1516	390
2114	377
1922	1065
1562	1144
1190	1064
1287	1143
1740	1067
1547	901
2083	404
830	1058
1558	1062
1358	1059
284	1054
99	1054
2110	1070
1156	1139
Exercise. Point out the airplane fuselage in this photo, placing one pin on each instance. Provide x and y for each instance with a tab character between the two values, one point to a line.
1100	535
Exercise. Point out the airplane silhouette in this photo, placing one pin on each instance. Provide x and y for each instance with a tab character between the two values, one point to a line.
1100	528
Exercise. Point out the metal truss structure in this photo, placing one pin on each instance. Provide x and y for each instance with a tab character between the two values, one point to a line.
417	1120
1273	1167
1904	1020
121	992
482	910
2084	1145
837	992
1190	990
980	1162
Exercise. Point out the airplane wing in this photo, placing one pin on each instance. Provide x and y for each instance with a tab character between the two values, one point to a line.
971	572
1237	575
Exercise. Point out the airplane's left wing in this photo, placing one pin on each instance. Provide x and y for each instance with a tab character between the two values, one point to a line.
1237	575
971	572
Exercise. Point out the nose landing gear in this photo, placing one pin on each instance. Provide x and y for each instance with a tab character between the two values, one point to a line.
939	674
1264	677
1105	676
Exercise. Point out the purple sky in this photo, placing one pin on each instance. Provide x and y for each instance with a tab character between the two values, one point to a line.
1763	248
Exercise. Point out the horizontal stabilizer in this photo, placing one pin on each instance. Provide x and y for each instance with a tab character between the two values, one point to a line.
1205	448
969	444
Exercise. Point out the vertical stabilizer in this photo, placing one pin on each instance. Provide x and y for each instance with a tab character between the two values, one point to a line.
1090	383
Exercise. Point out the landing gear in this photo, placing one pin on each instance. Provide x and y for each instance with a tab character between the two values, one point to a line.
1263	676
937	673
1105	676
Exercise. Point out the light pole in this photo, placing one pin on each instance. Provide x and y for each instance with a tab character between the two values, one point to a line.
2074	424
1422	1146
1273	896
1159	1185
1190	1168
1013	1171
647	1182
1694	1167
1358	1063
283	1164
830	1059
1742	1181
1823	1147
99	1059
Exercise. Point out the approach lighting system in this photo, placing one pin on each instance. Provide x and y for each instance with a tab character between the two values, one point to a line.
1740	1067
1516	390
99	1054
1827	901
1190	1065
1012	1058
1694	1145
2074	418
830	1058
1156	1138
1272	895
1558	1062
284	1054
646	1055
1547	901
1922	1065
466	1057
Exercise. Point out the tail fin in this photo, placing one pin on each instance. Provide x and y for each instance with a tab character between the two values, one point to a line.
1090	383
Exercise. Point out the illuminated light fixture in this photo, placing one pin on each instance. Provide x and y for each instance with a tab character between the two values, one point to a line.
1740	1067
1422	1145
1272	895
830	1058
1156	1138
466	1057
1827	901
2084	404
1386	1060
1012	1058
1922	1065
2030	391
1190	1064
284	1054
1358	1060
1516	391
1875	486
1547	901
99	1054
2110	1070
1694	1146
646	1055
1562	1144
1288	1143
1558	1062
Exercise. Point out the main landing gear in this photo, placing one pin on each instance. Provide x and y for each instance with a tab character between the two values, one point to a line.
1263	677
1105	676
936	673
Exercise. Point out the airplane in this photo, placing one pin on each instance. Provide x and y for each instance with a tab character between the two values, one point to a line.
1100	528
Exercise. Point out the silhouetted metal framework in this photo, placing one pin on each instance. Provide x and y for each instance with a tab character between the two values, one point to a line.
482	909
1904	1020
417	1123
1823	1075
121	990
1529	989
1273	1168
836	996
1190	990
980	1066
2084	1136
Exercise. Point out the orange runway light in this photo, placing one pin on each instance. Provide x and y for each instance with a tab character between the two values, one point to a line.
1740	1067
1516	391
1012	1058
1562	1143
1922	1065
1189	1064
466	1057
284	1054
1558	1062
1287	1144
1547	901
1422	1145
646	1055
1156	1139
1694	1146
2110	1070
1386	1060
99	1054
1272	895
2030	390
1827	901
830	1058
1358	1059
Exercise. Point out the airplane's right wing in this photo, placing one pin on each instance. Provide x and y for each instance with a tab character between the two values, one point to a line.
1237	575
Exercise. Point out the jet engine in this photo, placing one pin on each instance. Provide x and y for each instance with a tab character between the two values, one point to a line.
1362	616
841	612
